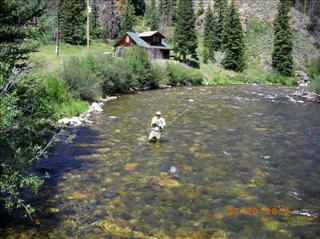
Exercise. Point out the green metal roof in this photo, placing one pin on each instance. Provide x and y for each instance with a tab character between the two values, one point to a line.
140	42
135	37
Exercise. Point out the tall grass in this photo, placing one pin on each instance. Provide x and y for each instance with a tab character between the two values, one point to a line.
179	74
313	70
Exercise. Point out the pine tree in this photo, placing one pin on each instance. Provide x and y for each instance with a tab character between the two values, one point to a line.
14	32
128	17
282	59
234	40
219	10
200	10
110	20
139	7
152	16
72	21
184	37
209	33
95	28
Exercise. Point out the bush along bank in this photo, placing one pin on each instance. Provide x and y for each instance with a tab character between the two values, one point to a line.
95	77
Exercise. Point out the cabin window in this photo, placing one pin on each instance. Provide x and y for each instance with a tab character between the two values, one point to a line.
156	38
127	39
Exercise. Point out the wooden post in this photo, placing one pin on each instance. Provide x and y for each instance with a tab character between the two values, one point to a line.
57	37
88	25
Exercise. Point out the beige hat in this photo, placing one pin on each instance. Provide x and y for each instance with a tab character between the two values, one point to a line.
158	113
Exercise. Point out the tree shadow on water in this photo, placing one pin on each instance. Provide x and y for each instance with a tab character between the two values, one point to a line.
62	160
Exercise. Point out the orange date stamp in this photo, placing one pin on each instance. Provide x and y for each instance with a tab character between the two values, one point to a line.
254	211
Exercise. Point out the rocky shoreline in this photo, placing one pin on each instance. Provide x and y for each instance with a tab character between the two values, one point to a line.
309	97
84	118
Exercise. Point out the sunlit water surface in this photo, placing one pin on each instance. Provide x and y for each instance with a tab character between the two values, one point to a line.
232	147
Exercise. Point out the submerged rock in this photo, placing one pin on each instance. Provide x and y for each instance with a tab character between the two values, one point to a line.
173	170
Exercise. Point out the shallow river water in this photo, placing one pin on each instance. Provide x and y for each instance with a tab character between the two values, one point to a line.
247	165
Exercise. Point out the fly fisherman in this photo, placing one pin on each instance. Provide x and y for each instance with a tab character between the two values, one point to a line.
157	124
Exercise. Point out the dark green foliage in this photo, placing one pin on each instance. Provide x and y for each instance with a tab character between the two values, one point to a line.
90	77
200	10
234	40
72	17
153	16
128	17
16	37
25	116
136	59
139	7
282	59
95	28
184	37
219	9
81	80
205	55
313	70
179	74
209	33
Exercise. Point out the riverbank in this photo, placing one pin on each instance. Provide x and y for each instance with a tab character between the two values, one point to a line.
147	75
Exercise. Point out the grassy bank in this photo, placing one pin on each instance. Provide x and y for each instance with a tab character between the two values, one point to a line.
77	76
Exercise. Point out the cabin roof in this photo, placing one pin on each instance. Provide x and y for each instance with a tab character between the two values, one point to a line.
136	37
149	34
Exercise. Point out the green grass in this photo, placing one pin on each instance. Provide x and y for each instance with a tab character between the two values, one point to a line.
71	107
46	60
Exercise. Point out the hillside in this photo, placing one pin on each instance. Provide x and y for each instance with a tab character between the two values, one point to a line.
257	19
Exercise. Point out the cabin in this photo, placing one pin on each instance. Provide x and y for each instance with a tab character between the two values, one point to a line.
154	42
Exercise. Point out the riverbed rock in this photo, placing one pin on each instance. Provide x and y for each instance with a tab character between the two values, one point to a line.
96	107
64	121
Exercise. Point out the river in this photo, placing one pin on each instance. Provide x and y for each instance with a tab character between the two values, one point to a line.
247	163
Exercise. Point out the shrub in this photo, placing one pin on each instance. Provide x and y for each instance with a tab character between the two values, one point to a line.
313	70
55	88
205	55
80	77
182	75
137	60
116	78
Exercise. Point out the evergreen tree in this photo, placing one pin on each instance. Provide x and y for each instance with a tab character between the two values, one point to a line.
200	10
139	7
234	40
154	18
72	17
128	17
219	10
184	36
95	28
14	49
209	33
110	20
282	59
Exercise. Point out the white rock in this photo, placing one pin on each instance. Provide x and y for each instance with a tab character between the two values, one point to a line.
76	121
64	121
191	100
226	153
173	170
113	117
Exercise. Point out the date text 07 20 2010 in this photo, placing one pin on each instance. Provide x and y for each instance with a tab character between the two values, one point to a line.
254	211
